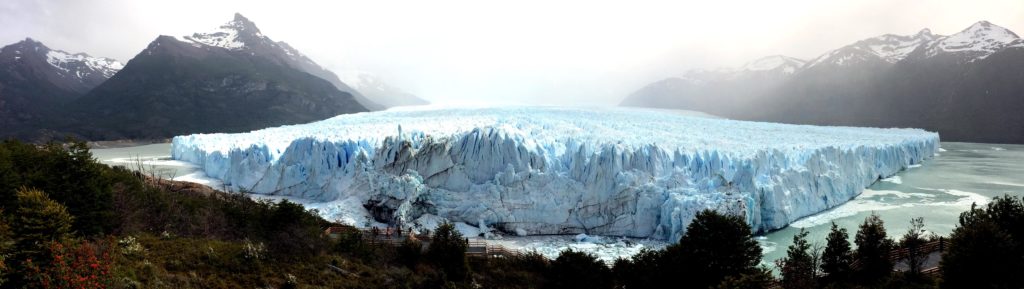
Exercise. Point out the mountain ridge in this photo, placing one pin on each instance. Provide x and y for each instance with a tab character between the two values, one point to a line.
948	84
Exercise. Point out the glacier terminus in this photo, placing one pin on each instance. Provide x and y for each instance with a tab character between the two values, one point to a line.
556	170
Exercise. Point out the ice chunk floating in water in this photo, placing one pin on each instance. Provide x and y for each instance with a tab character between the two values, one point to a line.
547	170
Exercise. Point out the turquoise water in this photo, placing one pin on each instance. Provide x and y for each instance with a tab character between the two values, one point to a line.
938	191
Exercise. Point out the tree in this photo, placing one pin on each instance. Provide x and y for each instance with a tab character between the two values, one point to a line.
574	269
760	278
980	246
409	252
715	246
6	242
873	248
1008	214
797	267
68	173
912	241
643	270
37	222
448	251
836	260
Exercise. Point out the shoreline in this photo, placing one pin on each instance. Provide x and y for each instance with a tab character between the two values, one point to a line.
113	144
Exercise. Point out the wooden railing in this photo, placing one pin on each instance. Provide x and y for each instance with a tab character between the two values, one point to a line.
395	238
480	248
923	251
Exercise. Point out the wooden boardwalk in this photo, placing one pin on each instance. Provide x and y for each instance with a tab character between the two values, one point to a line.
475	248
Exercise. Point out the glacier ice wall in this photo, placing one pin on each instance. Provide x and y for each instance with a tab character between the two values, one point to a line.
548	170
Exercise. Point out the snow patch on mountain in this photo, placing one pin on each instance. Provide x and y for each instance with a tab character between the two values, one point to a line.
81	64
979	41
232	35
889	48
785	64
548	170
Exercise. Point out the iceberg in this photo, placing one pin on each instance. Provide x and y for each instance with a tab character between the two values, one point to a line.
552	170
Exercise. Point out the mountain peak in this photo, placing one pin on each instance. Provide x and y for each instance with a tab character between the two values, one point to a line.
925	34
981	24
786	64
979	40
242	25
30	43
890	48
234	35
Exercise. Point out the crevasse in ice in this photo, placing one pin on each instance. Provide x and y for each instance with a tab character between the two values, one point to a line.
551	170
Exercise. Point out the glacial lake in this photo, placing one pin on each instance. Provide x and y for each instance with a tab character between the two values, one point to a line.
938	191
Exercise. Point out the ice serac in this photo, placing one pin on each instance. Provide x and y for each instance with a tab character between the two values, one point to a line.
533	170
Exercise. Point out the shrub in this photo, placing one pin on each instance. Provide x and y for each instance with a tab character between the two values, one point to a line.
573	269
37	222
72	265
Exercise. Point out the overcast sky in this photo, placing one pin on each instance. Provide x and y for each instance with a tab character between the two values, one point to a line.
501	52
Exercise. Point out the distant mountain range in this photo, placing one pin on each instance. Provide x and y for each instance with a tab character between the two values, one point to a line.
968	86
228	80
382	93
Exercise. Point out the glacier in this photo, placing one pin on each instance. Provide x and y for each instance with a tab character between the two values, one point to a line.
557	170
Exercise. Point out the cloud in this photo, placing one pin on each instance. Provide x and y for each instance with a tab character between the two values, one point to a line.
530	52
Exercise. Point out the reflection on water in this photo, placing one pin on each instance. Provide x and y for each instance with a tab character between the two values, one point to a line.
962	174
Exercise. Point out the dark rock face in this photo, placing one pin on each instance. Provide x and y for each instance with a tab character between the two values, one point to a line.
966	86
174	88
231	80
36	82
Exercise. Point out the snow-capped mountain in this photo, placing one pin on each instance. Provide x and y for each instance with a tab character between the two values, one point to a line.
232	79
82	65
373	87
76	67
889	48
775	63
241	34
238	34
976	42
35	81
966	86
